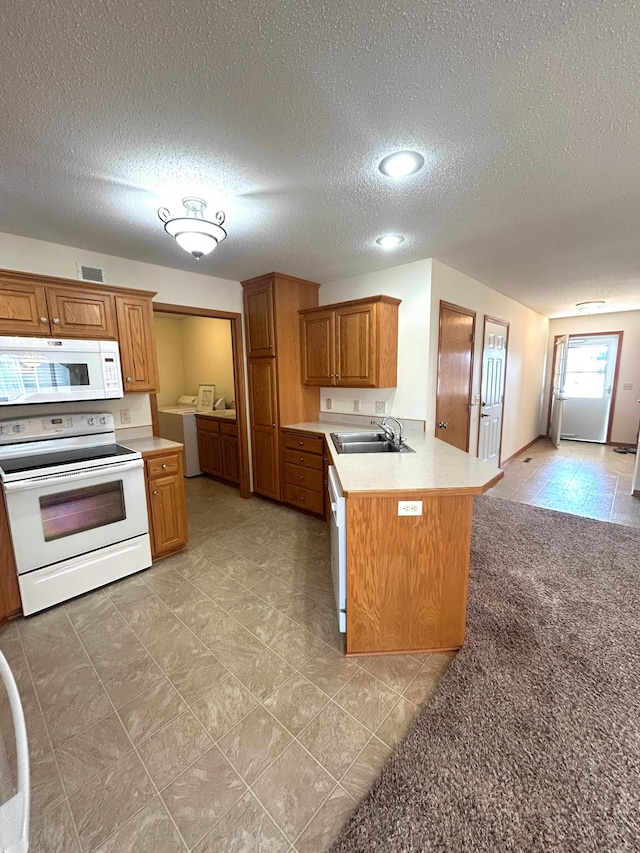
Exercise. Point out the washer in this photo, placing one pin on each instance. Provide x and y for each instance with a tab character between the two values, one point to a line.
178	423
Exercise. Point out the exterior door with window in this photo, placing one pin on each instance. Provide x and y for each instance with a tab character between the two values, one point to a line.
589	386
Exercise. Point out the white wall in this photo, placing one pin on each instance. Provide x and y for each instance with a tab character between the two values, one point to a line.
412	284
208	358
170	359
528	333
627	410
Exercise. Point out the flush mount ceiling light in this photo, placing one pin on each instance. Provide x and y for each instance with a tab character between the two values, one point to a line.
193	232
401	163
390	241
596	305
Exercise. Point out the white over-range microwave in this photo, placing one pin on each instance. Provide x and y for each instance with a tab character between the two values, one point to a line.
54	370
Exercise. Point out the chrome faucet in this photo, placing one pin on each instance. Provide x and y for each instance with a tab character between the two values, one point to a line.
396	437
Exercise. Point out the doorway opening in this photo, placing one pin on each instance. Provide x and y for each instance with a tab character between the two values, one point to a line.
492	382
209	356
583	387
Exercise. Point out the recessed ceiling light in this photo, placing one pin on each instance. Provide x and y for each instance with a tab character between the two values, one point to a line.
401	163
596	305
390	241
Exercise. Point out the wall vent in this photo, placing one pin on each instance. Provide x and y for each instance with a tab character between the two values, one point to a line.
86	273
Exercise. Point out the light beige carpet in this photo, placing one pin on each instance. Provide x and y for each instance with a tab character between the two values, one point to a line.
532	741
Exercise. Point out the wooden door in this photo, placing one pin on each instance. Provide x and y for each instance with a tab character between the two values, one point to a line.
264	427
455	374
81	313
23	310
355	333
494	368
318	348
137	344
258	310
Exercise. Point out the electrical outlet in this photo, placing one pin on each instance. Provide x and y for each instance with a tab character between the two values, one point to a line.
409	507
381	407
328	404
125	416
356	405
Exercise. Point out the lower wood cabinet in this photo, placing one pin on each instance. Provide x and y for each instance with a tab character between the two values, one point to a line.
304	471
218	448
10	601
166	502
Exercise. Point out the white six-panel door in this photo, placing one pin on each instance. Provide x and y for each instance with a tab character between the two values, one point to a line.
494	362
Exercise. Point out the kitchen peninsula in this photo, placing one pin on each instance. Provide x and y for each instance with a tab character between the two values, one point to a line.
406	587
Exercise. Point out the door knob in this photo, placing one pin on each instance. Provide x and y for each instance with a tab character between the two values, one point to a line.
482	415
443	424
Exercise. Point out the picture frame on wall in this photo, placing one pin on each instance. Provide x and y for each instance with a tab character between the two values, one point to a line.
206	397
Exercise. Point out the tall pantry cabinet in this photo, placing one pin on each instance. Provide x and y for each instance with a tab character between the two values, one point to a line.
277	396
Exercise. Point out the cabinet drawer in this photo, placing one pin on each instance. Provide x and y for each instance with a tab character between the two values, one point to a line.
307	460
304	498
162	465
304	443
307	477
228	429
207	424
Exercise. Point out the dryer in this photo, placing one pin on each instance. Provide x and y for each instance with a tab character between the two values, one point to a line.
178	423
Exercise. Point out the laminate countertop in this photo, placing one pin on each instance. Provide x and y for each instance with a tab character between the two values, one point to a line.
434	467
219	415
151	444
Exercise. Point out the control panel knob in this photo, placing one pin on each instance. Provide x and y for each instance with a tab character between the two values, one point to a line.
90	421
18	427
103	420
4	430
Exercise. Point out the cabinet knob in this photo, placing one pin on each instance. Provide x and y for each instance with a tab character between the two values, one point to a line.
270	346
301	443
164	465
56	320
272	425
129	379
337	376
155	491
302	458
44	319
301	497
301	476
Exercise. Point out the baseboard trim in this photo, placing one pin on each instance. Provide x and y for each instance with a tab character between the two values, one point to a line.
522	450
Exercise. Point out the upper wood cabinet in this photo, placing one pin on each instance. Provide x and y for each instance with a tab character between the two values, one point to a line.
259	319
44	306
34	310
277	397
351	344
137	344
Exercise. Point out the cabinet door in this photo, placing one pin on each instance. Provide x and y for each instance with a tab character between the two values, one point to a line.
264	427
81	313
356	343
258	309
137	344
318	345
230	465
210	452
168	519
23	310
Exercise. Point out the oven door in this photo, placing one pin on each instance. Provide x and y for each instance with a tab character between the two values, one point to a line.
56	517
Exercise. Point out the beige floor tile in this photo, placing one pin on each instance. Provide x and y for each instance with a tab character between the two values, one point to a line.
236	650
293	789
394	726
248	609
92	752
106	803
396	671
198	676
298	645
132	679
224	706
264	674
365	769
165	627
367	699
245	827
296	702
89	609
335	739
74	715
254	743
54	832
151	710
140	613
116	653
168	752
37	732
325	827
98	634
423	685
151	830
270	626
201	795
171	587
329	671
127	590
176	651
207	621
46	785
64	679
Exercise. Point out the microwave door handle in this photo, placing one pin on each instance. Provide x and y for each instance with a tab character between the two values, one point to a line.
72	476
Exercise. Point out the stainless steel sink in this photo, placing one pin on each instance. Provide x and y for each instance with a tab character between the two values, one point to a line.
366	442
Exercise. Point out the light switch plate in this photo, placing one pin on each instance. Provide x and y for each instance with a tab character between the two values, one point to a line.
409	507
627	386
356	405
381	407
328	404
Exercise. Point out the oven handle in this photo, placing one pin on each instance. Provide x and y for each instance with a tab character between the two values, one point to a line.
87	474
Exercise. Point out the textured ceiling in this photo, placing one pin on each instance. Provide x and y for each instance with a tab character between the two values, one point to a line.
278	112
